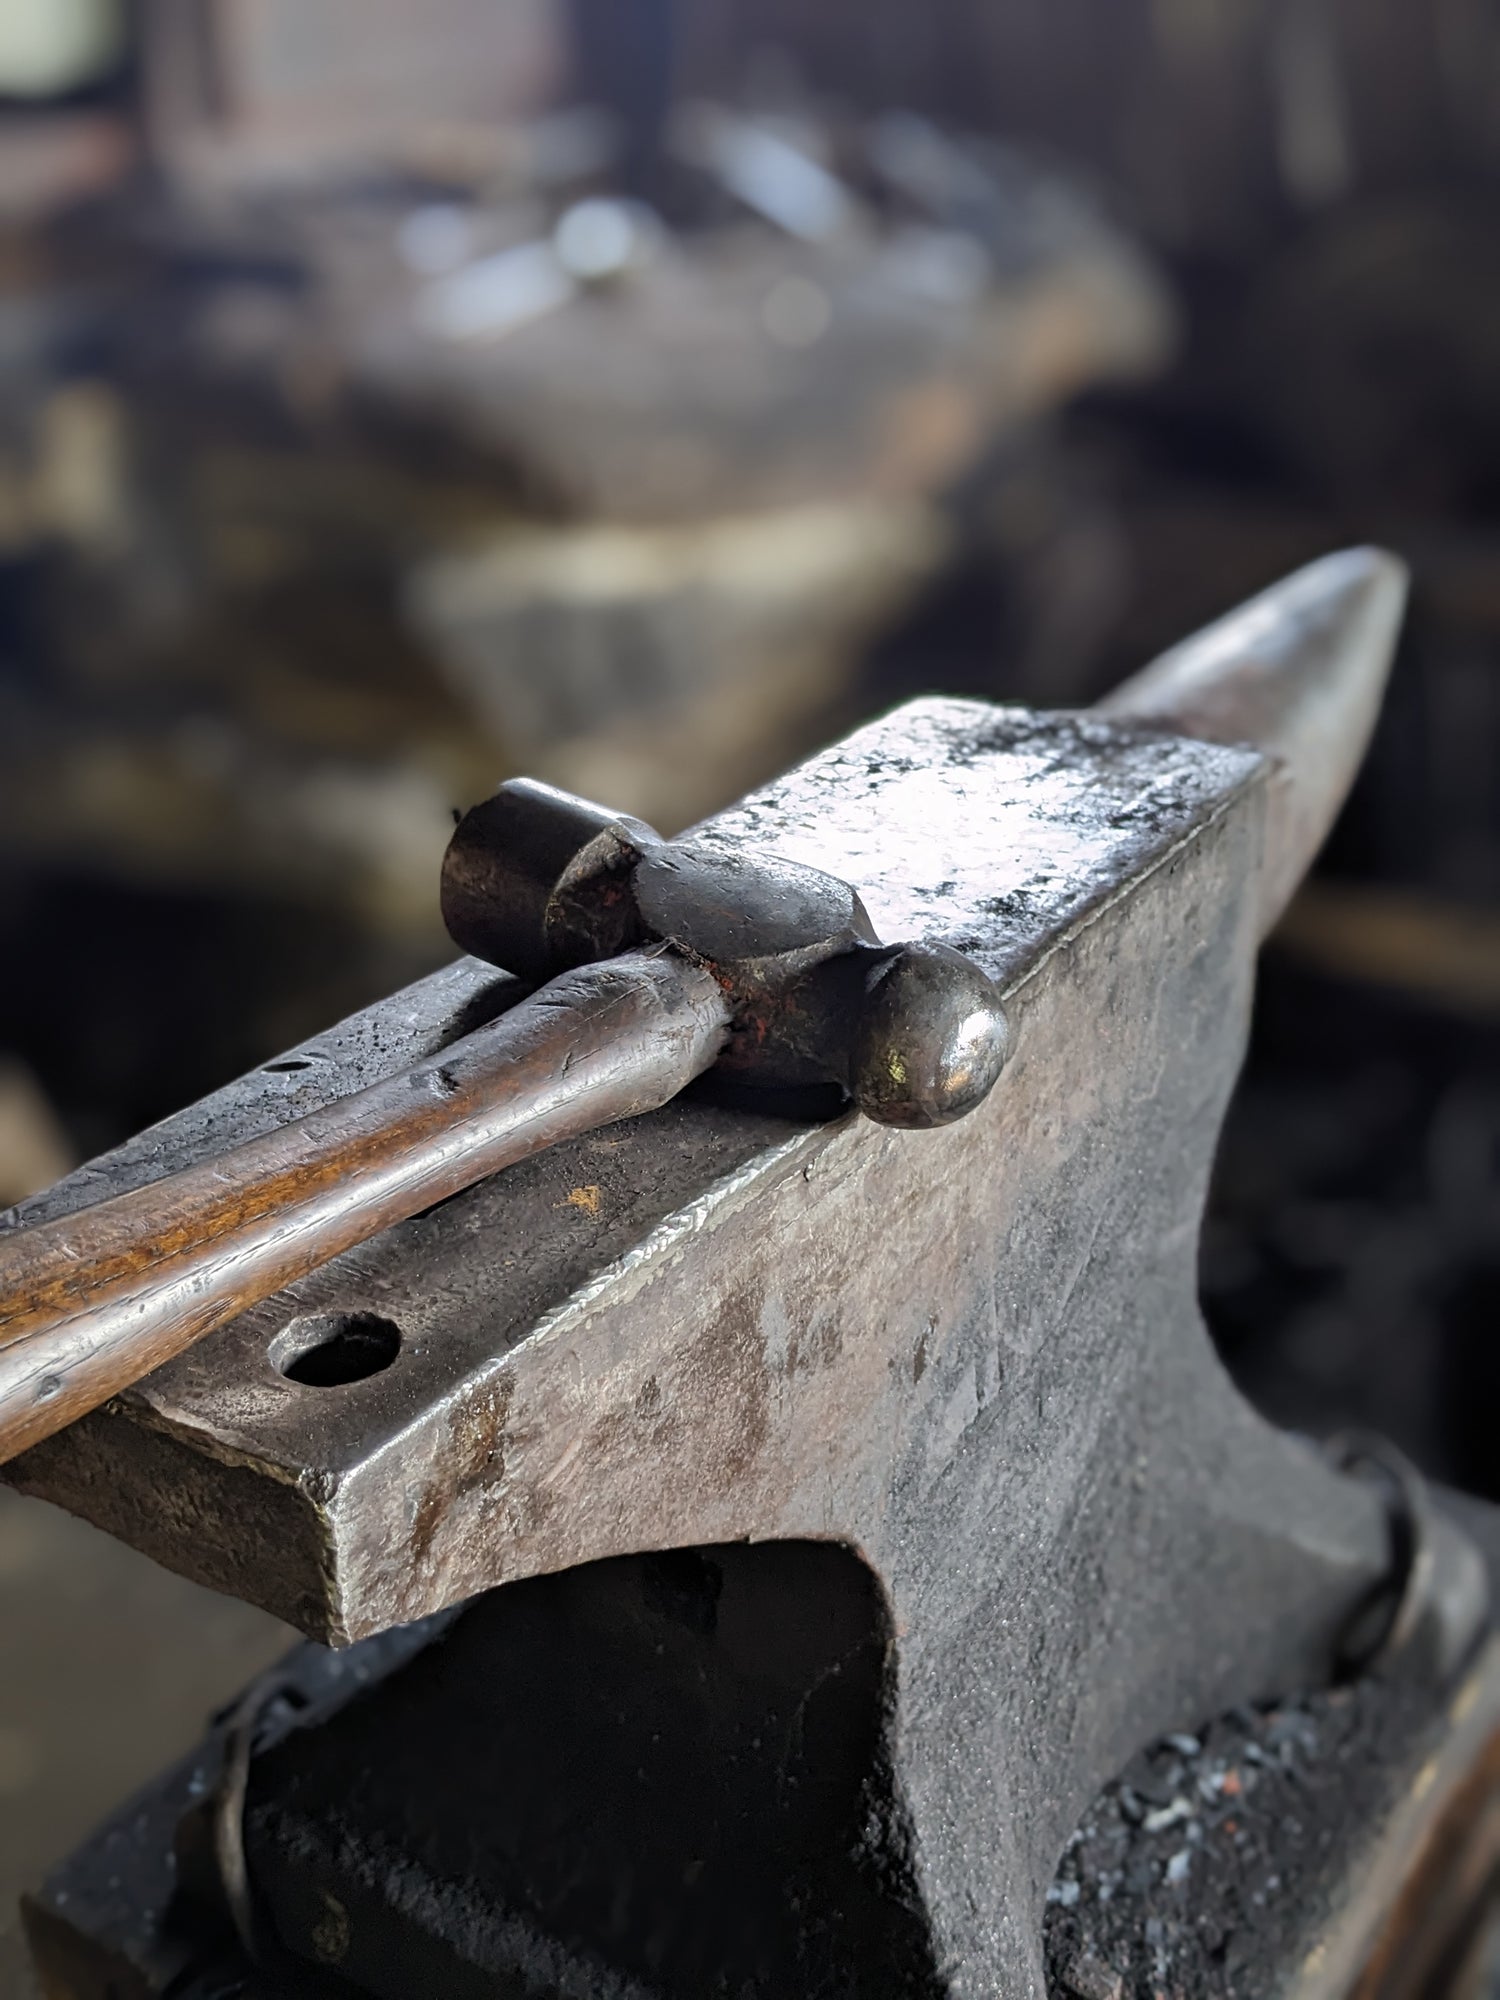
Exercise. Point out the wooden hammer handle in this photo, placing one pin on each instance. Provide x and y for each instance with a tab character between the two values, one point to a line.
93	1301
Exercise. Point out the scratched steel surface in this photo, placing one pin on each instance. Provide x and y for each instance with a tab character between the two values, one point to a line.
997	831
971	1356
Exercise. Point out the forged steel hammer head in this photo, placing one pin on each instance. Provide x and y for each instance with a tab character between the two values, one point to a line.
538	881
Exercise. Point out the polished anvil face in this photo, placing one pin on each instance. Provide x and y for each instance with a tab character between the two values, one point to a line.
972	1356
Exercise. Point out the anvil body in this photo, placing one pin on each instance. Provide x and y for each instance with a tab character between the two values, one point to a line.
1022	1522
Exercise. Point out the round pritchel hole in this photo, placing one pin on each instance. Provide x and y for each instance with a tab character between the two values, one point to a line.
328	1350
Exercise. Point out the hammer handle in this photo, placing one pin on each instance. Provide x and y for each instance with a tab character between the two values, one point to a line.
93	1301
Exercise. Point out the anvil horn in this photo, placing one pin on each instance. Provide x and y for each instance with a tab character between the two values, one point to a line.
1298	672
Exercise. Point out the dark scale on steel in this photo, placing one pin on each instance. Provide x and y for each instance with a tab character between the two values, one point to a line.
788	1535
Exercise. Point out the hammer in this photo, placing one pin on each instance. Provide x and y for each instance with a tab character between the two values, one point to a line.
653	961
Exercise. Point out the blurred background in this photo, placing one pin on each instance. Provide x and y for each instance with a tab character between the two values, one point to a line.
399	394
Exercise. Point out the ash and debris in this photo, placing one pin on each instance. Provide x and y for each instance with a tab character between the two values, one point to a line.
1215	1859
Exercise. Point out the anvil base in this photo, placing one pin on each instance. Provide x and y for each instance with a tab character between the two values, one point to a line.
660	1776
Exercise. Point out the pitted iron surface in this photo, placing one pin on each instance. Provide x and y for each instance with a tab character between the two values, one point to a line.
955	1380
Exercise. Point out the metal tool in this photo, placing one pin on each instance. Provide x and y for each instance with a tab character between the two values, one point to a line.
862	1500
769	968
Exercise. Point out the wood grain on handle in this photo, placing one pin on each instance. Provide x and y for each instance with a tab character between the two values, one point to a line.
95	1300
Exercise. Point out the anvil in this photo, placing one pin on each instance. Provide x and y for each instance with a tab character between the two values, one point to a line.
852	1502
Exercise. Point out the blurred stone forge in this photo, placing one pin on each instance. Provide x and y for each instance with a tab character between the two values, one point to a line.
398	415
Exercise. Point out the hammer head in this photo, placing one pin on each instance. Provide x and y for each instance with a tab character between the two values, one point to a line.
539	881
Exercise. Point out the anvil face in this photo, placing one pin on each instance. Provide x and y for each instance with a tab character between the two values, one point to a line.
972	1356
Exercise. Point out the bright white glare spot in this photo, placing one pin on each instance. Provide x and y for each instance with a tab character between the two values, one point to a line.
497	295
973	1037
596	239
54	45
436	238
796	312
778	180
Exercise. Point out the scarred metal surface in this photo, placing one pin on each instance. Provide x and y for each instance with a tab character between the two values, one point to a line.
998	832
936	1366
971	1357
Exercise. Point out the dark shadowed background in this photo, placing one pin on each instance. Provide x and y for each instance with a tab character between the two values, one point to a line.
399	394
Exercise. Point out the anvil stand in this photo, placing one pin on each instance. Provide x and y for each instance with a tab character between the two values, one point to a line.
840	1510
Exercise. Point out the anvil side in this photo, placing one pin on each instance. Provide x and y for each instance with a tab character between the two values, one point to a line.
973	1356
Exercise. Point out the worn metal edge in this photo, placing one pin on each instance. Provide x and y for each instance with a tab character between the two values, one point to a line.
313	1515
